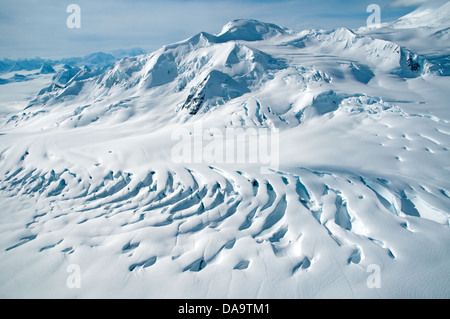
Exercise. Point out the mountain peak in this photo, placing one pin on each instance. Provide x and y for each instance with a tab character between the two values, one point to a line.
249	30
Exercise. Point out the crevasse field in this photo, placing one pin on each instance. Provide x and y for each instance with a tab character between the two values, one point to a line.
123	175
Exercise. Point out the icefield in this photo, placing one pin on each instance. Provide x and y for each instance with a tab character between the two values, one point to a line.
356	204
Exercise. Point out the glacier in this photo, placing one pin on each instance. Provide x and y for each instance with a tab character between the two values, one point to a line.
362	182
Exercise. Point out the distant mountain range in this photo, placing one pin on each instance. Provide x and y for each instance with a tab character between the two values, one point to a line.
94	60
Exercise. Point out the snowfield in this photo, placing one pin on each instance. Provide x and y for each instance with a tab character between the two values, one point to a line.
124	182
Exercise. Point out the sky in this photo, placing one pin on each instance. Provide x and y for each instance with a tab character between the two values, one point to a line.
31	28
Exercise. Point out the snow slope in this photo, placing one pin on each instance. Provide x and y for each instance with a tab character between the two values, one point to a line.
424	31
360	178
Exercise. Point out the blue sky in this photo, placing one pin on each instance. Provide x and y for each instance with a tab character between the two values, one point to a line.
31	28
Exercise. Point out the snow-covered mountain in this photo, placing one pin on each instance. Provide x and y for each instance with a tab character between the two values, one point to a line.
208	70
357	185
40	73
429	15
424	31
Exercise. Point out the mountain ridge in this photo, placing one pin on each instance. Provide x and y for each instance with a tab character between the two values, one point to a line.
189	63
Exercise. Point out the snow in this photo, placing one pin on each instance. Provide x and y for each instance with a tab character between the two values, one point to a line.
428	15
15	95
249	30
88	177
